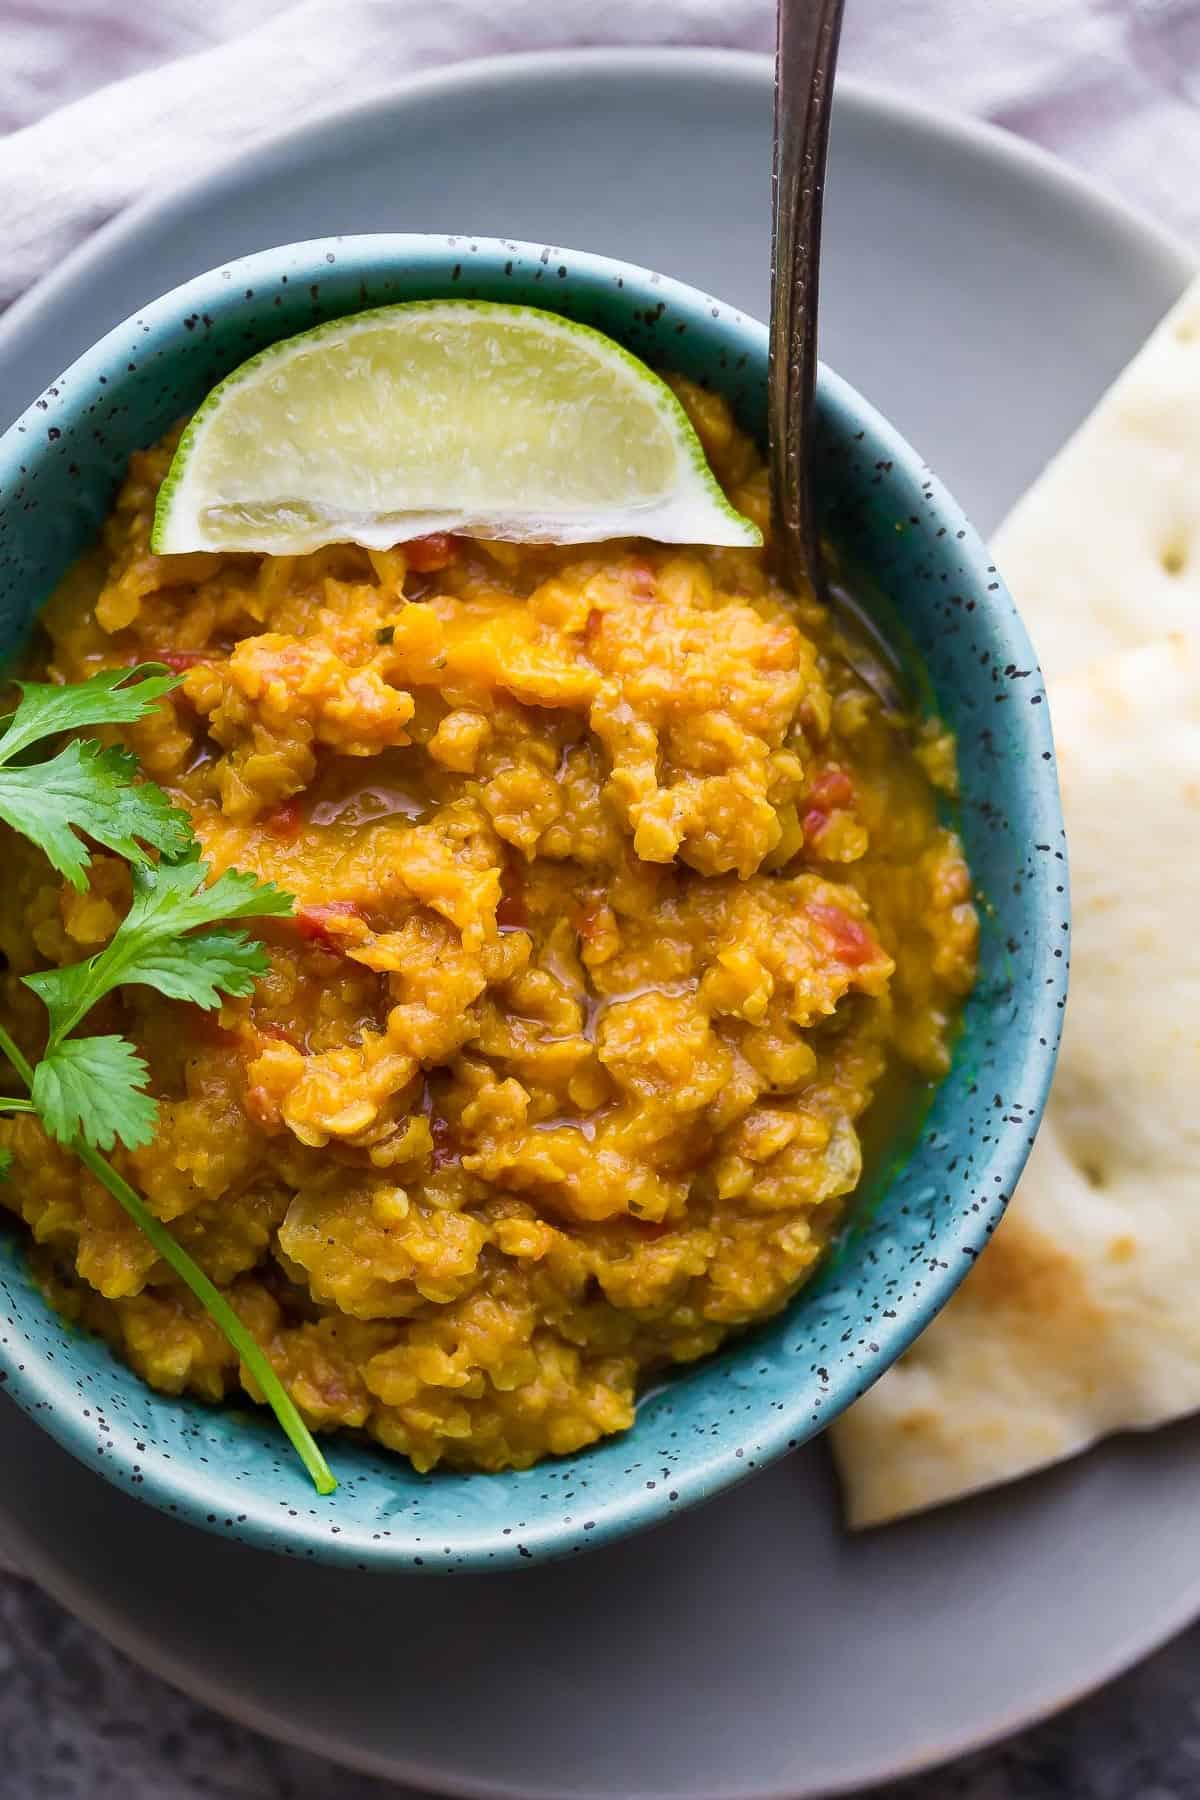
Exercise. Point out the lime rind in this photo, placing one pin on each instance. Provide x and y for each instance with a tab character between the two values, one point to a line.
691	508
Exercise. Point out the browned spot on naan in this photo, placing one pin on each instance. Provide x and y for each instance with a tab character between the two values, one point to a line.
1026	1273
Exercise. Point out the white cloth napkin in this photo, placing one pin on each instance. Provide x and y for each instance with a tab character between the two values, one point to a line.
1112	84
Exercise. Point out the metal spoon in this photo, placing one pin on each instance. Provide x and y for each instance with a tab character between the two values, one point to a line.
806	53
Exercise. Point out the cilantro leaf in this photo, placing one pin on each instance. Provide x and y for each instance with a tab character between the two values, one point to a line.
92	1088
113	697
5	1164
152	948
85	788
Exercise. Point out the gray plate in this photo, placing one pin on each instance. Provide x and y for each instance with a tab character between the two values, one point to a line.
982	297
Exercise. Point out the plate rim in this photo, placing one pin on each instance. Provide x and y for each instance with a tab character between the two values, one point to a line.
752	71
136	1643
749	68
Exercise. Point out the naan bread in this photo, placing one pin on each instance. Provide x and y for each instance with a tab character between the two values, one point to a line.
1083	1316
1103	552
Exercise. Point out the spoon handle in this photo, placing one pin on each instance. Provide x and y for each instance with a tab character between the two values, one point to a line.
806	52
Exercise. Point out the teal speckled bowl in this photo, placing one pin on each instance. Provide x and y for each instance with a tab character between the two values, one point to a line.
715	1423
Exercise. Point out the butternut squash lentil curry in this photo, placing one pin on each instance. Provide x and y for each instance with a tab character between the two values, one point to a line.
618	895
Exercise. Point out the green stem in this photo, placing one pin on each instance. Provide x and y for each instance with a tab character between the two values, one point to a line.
219	1310
193	1276
16	1057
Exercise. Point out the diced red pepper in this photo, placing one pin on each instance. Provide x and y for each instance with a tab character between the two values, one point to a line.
831	788
424	554
285	821
314	922
853	944
180	661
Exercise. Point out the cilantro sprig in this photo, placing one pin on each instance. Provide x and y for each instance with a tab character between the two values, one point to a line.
89	1093
89	1087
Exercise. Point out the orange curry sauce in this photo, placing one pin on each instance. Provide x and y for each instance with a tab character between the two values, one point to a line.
618	896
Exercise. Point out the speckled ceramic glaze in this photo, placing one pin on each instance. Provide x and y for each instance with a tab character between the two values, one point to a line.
231	1471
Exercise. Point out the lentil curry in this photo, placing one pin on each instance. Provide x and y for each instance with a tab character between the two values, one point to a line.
619	893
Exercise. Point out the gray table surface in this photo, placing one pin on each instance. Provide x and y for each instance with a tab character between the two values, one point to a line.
78	1722
1111	84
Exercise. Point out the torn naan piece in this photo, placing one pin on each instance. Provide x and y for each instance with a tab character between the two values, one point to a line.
1083	1316
1103	552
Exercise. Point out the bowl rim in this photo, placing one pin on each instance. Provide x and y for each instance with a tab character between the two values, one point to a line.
42	1386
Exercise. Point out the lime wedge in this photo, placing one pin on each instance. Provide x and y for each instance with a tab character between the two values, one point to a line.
459	416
